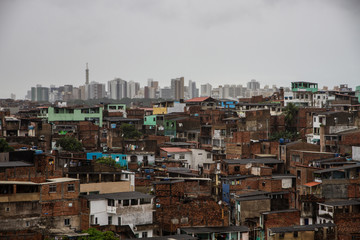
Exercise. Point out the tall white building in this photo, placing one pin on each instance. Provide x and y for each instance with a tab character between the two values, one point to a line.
117	89
133	209
193	92
206	90
132	89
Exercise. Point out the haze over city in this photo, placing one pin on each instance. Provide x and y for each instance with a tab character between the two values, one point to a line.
274	42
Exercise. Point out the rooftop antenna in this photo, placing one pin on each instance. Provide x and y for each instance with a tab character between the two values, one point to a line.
87	74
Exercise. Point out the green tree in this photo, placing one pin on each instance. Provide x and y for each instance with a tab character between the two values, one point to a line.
284	134
69	144
129	131
108	161
291	112
95	234
4	146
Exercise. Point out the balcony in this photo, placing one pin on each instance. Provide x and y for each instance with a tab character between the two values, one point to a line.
111	209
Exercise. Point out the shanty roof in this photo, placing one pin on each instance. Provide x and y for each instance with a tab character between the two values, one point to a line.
118	196
256	160
198	99
15	164
215	229
175	149
300	228
172	237
341	203
338	168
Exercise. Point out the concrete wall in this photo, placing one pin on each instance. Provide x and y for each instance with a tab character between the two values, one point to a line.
106	187
199	157
356	153
252	209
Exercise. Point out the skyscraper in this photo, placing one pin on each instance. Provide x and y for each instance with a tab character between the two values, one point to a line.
177	88
95	90
39	94
206	90
117	89
253	85
193	91
132	89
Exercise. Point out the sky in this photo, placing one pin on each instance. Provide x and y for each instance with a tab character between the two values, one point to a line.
208	41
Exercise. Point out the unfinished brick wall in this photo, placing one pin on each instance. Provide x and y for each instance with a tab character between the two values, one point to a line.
281	219
270	185
60	208
61	191
168	193
84	214
347	224
197	212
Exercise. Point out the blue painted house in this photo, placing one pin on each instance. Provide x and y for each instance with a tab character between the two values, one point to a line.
118	157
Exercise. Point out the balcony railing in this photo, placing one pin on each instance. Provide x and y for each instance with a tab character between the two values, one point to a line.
111	209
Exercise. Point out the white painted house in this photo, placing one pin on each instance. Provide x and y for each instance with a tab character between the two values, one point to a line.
133	209
199	158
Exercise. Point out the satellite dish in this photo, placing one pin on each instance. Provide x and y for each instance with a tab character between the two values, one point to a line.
248	165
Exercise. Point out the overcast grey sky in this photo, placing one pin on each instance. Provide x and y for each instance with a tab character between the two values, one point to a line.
216	41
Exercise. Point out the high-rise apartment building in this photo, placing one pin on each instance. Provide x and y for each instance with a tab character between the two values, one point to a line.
166	93
253	85
132	89
39	94
177	88
95	90
117	89
206	90
193	91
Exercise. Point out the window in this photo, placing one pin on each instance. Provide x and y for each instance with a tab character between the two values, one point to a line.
96	220
71	187
134	202
110	220
181	156
296	234
67	221
52	188
111	202
144	234
281	235
28	223
209	155
119	221
7	209
145	200
237	169
119	202
126	202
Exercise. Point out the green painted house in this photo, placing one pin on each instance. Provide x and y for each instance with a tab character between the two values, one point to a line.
170	128
357	93
304	87
93	114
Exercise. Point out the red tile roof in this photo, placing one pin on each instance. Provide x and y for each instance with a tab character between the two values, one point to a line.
175	149
197	99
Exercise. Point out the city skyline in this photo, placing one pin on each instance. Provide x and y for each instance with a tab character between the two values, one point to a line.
274	42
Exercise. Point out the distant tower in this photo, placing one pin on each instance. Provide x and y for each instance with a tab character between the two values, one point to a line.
87	74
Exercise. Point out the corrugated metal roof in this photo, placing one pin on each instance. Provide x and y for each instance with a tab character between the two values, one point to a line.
118	196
